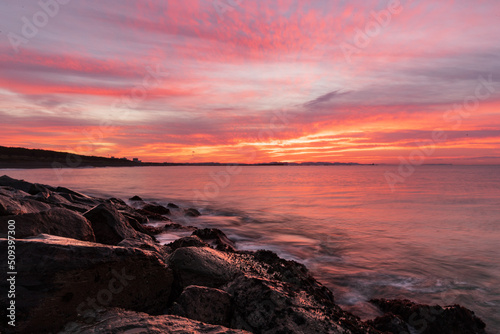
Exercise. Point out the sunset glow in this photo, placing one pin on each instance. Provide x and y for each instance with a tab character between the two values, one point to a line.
250	81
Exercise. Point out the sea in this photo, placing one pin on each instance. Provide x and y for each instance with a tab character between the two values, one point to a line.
432	237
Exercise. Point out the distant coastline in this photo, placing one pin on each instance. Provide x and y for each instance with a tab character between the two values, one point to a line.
23	158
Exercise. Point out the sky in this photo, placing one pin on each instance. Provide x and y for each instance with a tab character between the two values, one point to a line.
253	81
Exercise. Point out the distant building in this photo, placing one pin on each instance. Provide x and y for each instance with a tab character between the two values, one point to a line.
136	160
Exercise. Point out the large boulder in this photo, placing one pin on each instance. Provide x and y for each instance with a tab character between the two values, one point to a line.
62	280
266	306
111	227
191	241
119	321
158	209
435	319
55	221
30	188
200	303
215	238
202	266
10	204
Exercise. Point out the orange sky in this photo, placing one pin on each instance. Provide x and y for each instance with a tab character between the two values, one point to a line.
249	81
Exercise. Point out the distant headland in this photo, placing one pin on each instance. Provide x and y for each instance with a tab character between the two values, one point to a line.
18	157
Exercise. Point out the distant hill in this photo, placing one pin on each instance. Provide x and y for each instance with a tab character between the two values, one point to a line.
16	157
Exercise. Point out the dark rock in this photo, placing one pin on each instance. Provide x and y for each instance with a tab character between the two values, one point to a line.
202	266
390	323
119	321
63	279
158	209
192	241
178	227
151	215
172	205
56	221
135	198
30	188
75	194
153	230
192	212
435	319
216	238
110	227
162	251
200	303
10	206
265	306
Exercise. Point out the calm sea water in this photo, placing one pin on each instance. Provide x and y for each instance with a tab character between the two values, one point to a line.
435	239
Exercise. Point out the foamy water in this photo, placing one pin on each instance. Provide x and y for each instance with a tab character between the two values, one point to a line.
434	239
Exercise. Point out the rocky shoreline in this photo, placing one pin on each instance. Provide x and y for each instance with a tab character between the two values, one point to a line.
92	265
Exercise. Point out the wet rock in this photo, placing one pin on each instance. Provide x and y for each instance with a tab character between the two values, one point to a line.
74	194
160	250
435	319
55	221
30	188
201	266
172	206
158	209
192	241
192	212
135	198
66	279
9	206
216	238
110	227
153	230
204	304
119	321
390	323
265	306
151	215
178	227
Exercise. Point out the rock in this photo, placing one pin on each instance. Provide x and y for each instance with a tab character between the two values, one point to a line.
192	241
192	212
136	225
110	227
9	206
201	266
435	319
65	279
160	250
265	306
30	188
172	205
135	198
151	215
153	230
119	321
389	323
178	227
204	304
216	238
158	209
75	194
55	221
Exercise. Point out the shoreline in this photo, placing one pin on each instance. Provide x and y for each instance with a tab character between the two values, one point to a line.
233	284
